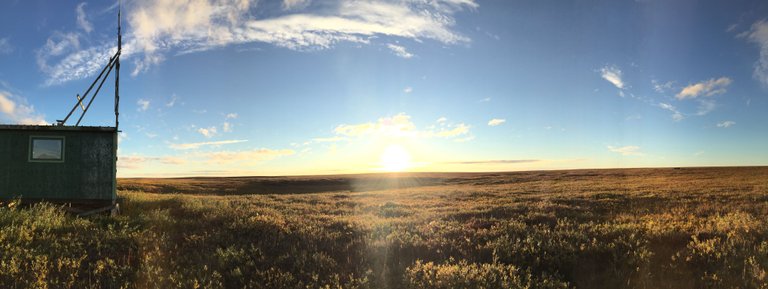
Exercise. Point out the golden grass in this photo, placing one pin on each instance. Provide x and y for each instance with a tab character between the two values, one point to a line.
633	228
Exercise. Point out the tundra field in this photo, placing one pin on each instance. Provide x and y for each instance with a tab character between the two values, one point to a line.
618	228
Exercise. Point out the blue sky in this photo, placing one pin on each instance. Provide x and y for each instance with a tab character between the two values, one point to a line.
241	87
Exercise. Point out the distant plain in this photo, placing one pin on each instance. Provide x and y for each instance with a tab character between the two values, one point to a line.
614	228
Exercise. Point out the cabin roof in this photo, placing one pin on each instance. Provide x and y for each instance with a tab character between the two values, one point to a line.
57	128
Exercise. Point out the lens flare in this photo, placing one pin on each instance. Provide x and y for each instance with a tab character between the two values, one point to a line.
395	159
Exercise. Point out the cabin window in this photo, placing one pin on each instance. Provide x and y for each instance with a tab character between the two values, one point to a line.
46	149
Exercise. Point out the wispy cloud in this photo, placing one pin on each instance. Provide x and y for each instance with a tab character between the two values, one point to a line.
706	106
231	116
662	87
496	121
189	146
16	110
633	117
706	88
227	127
139	161
492	162
726	124
459	129
173	100
613	75
355	129
758	34
143	104
295	4
166	27
82	22
328	139
626	150
5	46
408	89
70	61
676	115
400	126
245	157
394	126
464	139
399	50
207	132
218	159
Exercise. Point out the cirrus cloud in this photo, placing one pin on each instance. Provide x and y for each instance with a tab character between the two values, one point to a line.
613	75
208	132
758	34
161	27
188	146
216	159
82	22
5	46
400	126
726	124
626	150
399	50
496	121
706	88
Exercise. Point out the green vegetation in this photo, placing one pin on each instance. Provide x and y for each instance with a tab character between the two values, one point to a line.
650	228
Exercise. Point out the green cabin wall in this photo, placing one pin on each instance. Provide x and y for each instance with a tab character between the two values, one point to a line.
86	174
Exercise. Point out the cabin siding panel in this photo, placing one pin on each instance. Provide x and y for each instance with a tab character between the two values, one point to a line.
87	173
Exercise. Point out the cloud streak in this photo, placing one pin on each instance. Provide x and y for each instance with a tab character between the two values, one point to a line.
245	157
5	46
294	4
676	114
613	75
16	110
139	161
82	22
626	150
143	104
758	34
726	124
189	146
207	132
401	126
204	159
492	162
162	27
399	50
496	121
705	88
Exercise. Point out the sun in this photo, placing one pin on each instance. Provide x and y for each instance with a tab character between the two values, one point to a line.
395	159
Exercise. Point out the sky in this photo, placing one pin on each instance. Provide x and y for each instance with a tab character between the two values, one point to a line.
293	87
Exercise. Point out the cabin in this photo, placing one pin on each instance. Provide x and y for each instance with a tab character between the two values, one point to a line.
67	164
59	164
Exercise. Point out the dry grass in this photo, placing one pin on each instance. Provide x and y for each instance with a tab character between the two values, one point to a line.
638	228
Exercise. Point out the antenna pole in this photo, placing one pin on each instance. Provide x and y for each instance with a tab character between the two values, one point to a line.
95	94
85	95
117	64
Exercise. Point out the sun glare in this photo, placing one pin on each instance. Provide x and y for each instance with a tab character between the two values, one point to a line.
395	159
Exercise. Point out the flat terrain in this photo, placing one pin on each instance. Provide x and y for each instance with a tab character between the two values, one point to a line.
624	228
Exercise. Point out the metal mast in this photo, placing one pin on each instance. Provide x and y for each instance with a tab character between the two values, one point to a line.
117	64
114	62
